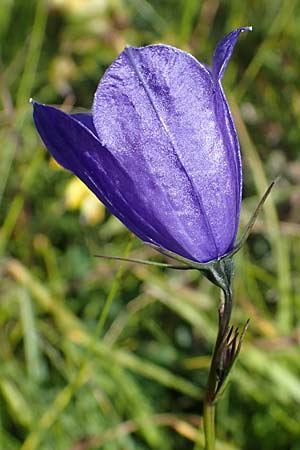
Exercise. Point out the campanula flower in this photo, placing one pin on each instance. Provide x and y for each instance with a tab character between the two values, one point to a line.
159	149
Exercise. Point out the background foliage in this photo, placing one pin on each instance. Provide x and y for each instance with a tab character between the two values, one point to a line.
97	354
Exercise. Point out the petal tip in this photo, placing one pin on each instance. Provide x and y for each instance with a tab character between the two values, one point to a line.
128	48
34	103
223	52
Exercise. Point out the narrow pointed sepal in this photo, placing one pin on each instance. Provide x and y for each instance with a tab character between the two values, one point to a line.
189	262
144	262
252	220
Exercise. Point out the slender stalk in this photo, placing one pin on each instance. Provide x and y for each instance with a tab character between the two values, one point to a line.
209	425
218	362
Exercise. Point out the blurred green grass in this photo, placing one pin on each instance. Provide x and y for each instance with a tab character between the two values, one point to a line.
98	354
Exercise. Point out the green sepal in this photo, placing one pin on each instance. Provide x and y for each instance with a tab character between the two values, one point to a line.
252	220
143	261
189	262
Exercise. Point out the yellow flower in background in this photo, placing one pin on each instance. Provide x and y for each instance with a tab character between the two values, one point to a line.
74	194
78	197
91	211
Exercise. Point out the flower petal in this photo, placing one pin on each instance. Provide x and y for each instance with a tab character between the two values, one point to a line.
87	120
161	114
75	147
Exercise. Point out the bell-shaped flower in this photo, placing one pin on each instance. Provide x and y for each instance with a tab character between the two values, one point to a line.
159	149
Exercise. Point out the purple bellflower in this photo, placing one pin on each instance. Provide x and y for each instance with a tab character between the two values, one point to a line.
159	149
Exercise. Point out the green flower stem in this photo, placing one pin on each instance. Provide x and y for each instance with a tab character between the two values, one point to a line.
209	425
217	367
216	362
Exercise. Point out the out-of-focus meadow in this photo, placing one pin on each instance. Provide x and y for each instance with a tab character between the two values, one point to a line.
100	354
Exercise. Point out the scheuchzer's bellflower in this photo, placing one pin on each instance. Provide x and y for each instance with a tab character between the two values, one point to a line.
159	149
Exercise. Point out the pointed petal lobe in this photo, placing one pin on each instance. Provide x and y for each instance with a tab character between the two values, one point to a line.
223	52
